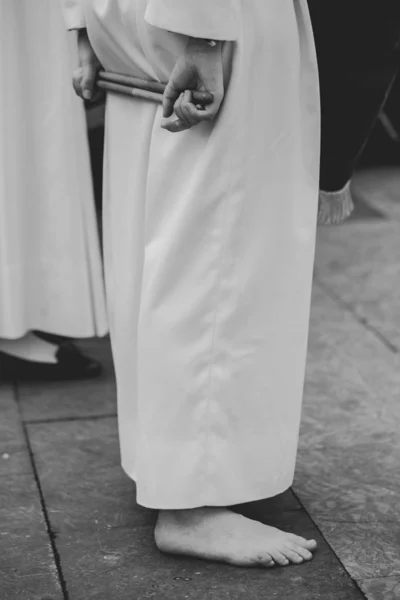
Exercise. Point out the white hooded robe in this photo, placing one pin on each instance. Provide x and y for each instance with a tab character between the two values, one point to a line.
209	239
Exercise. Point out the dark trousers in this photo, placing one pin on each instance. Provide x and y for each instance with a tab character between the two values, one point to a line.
358	57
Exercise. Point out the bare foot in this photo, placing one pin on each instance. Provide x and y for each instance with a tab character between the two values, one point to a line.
219	534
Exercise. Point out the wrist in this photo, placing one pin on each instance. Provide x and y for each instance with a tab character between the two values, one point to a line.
82	35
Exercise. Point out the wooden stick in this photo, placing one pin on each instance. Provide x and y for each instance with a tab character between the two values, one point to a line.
142	88
135	82
130	91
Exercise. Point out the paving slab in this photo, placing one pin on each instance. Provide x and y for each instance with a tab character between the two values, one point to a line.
383	588
105	540
124	564
73	399
349	444
363	209
349	493
27	570
360	264
80	471
14	458
352	378
367	550
27	566
380	189
347	476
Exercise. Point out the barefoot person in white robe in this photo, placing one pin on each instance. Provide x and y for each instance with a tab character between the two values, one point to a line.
209	234
50	265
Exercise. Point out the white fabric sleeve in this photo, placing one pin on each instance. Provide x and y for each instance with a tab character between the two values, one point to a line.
74	16
209	19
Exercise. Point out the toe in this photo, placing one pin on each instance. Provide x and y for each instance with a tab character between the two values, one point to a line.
311	544
268	562
300	541
304	553
280	559
264	560
297	538
293	556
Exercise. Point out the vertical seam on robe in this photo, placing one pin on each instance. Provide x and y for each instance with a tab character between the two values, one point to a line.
218	299
221	256
142	435
224	233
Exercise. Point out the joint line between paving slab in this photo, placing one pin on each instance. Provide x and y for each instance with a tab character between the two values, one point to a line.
355	582
50	532
362	320
52	420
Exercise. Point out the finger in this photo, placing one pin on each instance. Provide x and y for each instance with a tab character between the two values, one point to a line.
89	73
182	111
207	112
170	96
202	97
184	124
77	81
199	113
178	109
175	126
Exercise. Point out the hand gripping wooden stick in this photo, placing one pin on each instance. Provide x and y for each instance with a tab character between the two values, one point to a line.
137	88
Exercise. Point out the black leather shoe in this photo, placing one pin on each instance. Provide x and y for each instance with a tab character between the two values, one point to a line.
71	364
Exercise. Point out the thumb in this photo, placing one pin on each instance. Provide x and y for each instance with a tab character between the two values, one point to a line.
88	80
77	81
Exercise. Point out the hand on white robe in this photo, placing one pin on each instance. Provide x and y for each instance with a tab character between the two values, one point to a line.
84	78
199	69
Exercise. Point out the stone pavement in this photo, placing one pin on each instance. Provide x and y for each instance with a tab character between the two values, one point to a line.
69	526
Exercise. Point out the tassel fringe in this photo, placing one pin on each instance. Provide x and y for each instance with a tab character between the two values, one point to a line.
335	207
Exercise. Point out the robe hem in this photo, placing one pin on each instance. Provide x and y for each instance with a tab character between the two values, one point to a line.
244	498
87	334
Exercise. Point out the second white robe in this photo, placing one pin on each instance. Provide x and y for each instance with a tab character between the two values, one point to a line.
51	274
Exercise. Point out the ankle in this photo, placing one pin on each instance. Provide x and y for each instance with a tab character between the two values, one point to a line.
179	517
189	515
